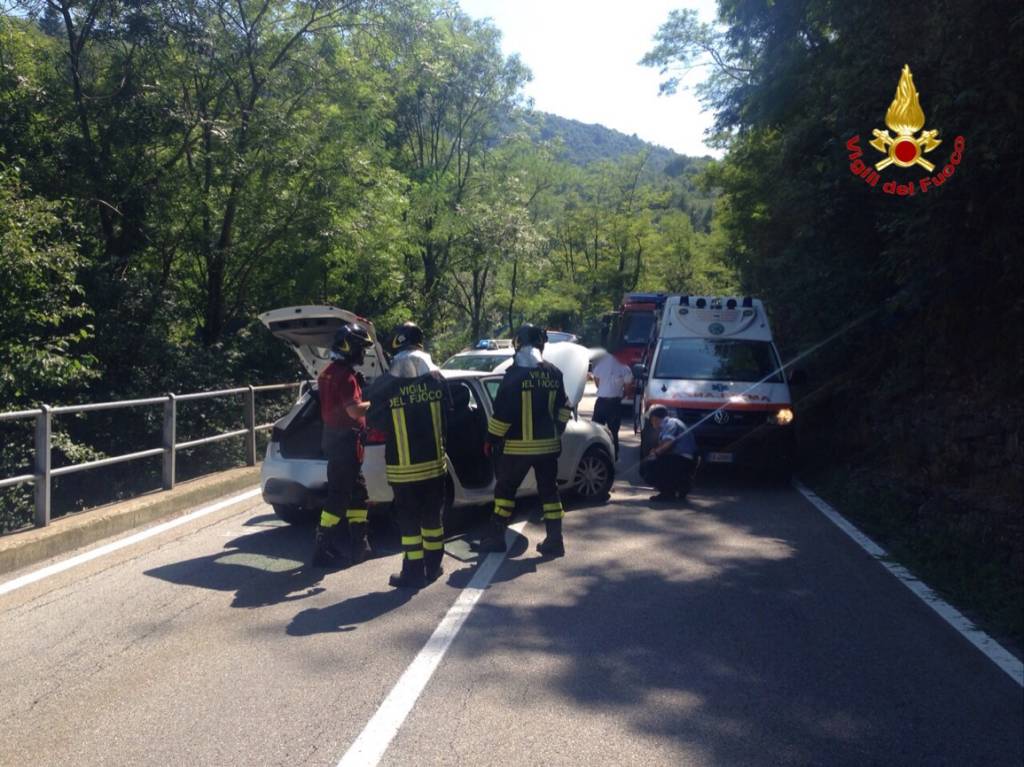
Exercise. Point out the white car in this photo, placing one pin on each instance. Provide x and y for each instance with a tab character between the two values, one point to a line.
487	360
294	472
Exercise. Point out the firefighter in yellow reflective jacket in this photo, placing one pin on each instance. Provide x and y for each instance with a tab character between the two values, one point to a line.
410	403
530	414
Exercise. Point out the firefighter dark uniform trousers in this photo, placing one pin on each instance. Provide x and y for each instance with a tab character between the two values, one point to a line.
413	413
530	414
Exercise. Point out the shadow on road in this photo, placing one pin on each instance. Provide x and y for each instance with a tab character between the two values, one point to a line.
347	614
263	568
731	629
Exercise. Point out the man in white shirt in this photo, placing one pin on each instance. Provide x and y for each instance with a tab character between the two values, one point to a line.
612	378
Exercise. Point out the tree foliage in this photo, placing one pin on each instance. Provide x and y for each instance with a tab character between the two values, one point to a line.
188	164
923	395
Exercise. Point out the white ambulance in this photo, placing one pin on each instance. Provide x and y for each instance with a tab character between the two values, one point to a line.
716	368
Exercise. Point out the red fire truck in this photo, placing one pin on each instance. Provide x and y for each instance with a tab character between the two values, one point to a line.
631	332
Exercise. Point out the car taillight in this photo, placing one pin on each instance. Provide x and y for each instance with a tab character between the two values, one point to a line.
376	437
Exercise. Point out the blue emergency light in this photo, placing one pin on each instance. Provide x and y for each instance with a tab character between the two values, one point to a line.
646	298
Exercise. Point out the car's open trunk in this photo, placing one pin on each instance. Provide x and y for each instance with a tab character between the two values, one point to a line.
298	433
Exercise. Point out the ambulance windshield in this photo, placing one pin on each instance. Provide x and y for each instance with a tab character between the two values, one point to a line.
709	359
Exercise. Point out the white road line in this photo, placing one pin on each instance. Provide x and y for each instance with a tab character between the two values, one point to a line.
368	749
88	556
998	654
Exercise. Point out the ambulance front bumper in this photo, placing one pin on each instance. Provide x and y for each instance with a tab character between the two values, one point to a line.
747	439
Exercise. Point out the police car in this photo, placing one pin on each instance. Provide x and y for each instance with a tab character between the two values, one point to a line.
715	366
485	358
294	473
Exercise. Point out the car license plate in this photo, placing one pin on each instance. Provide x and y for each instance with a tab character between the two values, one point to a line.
720	457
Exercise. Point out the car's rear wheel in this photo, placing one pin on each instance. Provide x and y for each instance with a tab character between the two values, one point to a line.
594	475
296	515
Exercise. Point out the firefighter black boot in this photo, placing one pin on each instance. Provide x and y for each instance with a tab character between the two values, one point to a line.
432	565
325	550
552	545
494	539
411	576
433	552
359	547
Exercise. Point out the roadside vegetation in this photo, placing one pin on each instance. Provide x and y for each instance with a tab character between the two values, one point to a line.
913	416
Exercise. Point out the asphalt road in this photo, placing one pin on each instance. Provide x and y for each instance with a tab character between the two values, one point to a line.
742	629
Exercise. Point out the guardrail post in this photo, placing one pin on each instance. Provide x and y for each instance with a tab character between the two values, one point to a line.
250	424
170	436
43	447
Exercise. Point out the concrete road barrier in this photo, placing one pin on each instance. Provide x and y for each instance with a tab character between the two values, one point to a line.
73	531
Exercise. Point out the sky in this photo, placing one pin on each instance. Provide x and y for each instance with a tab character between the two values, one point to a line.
584	54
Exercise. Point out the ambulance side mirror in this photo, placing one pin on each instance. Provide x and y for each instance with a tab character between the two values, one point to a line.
798	378
640	371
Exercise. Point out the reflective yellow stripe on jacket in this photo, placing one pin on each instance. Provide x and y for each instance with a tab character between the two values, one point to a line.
416	472
532	446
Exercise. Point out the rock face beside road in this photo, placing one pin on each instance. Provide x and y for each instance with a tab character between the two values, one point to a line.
742	629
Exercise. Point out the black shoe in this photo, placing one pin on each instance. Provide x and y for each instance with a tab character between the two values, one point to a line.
434	573
494	540
432	565
411	577
325	553
663	498
493	543
359	547
552	547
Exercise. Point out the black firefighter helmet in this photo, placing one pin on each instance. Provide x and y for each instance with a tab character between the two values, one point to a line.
530	335
351	342
406	336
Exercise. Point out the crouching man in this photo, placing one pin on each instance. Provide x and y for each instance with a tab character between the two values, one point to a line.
671	465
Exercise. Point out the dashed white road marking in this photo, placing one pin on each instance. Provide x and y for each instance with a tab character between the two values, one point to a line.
368	749
131	540
992	649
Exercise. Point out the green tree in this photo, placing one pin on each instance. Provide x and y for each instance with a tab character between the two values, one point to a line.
43	320
455	90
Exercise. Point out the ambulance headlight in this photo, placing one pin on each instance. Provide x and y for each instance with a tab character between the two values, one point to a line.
783	417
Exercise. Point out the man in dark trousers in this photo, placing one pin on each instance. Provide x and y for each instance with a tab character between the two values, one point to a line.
612	379
671	464
530	414
410	403
343	412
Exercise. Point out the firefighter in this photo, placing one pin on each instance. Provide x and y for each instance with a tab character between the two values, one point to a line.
530	414
343	412
410	404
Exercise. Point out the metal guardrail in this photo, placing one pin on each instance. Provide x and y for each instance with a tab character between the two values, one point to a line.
43	444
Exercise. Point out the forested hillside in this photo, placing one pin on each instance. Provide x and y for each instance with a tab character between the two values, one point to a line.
169	170
915	415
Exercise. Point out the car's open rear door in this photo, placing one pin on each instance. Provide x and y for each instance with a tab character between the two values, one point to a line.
309	331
